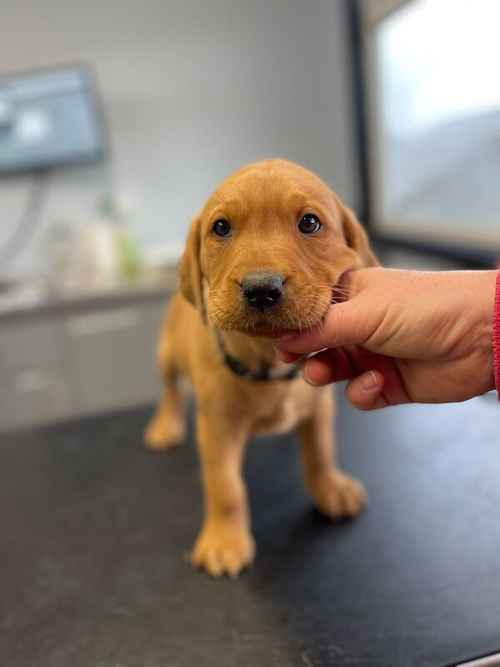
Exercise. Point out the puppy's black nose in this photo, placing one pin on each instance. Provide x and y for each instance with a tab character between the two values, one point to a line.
262	290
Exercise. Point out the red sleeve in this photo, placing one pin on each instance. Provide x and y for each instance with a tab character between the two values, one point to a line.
496	336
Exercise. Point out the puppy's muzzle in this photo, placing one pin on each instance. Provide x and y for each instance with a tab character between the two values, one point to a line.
262	290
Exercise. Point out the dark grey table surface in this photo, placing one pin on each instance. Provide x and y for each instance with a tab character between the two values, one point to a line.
94	529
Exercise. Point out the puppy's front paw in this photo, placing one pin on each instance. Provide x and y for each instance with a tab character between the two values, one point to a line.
223	549
337	495
163	433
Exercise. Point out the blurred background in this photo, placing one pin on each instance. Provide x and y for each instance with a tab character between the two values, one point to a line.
118	119
432	117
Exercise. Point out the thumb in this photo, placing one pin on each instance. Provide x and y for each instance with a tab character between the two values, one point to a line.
345	324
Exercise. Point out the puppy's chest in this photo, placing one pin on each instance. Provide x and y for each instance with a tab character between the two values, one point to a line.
282	411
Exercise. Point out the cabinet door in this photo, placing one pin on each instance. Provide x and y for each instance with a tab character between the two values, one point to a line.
112	356
32	396
30	344
34	387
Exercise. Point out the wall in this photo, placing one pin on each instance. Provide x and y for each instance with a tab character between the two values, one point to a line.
192	90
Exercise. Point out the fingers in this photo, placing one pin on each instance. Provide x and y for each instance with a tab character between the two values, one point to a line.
344	324
328	366
365	392
375	381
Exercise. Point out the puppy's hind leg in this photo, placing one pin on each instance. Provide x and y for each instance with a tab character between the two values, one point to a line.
168	425
335	494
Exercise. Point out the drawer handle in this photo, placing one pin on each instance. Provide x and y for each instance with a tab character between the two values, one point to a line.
98	323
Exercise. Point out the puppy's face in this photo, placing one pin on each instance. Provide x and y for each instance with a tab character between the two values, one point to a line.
268	248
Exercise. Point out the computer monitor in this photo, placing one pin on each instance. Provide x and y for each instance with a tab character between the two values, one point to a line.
48	118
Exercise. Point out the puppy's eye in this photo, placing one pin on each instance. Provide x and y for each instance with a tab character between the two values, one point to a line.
221	227
309	224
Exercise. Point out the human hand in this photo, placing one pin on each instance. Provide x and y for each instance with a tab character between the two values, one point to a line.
404	336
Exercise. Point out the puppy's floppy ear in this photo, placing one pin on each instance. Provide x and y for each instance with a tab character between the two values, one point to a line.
356	237
190	274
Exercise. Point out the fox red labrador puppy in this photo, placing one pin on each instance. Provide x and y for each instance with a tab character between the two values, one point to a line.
262	259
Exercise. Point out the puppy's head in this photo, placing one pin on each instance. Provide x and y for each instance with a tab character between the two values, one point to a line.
268	248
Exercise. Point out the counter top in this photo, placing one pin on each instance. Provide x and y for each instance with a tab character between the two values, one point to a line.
95	529
31	299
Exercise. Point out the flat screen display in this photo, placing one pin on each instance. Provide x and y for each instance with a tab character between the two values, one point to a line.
48	118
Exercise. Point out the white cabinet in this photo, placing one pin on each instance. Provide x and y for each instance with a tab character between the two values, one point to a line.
34	396
87	361
33	386
112	356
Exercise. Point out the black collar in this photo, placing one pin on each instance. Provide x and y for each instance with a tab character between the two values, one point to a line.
264	374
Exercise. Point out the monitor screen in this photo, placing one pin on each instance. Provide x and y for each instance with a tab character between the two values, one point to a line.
48	118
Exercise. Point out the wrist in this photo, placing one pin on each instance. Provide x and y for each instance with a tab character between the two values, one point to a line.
489	324
496	335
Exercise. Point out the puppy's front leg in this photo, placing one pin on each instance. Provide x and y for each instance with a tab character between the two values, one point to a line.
335	494
225	544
